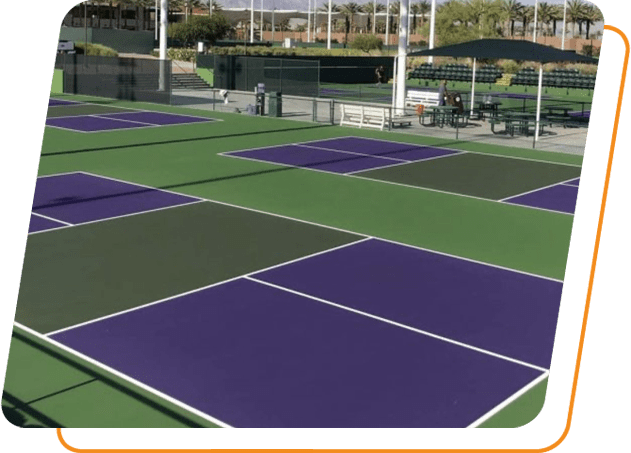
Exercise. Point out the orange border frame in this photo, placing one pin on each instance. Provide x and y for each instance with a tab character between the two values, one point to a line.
580	346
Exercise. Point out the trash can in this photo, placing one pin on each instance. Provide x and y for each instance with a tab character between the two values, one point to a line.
275	104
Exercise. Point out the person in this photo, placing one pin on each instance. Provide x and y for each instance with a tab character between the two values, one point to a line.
380	72
442	92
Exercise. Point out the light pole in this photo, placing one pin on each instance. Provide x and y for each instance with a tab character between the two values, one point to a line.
155	20
534	31
564	18
432	27
387	23
261	26
252	23
402	56
309	22
328	27
164	22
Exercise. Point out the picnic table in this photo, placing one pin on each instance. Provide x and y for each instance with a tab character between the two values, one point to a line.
517	122
486	106
555	110
441	115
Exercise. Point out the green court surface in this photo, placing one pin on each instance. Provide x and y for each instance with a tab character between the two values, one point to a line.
101	268
478	175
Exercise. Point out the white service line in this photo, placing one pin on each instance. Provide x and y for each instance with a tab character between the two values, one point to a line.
508	401
445	148
397	324
51	218
537	189
350	152
337	229
59	174
196	290
163	208
123	376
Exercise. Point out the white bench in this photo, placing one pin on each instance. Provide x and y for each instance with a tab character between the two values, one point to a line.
426	98
365	116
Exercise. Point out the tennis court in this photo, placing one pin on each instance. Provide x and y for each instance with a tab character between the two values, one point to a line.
253	272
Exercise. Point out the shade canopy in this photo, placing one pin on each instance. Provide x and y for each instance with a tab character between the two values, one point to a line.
506	49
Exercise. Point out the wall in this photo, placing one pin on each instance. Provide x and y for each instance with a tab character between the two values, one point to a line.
123	41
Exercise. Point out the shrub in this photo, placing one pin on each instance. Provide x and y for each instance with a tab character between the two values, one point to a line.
178	54
367	43
510	66
591	51
95	49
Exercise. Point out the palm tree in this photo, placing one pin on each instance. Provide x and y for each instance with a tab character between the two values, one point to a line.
349	10
325	9
575	14
213	5
483	12
555	16
424	7
395	8
546	11
527	14
372	8
512	11
415	9
591	15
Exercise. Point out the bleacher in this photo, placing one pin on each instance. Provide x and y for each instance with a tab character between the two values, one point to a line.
457	73
557	78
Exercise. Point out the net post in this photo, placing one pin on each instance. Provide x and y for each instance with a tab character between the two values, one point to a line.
315	111
332	112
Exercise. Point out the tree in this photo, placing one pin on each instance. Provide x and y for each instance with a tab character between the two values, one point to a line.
424	7
200	28
527	14
372	8
349	10
557	15
591	15
575	13
483	14
366	43
512	11
545	14
213	5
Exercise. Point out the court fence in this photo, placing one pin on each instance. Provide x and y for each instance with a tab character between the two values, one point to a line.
243	73
132	79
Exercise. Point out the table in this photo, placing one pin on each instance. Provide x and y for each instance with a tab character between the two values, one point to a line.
441	115
492	106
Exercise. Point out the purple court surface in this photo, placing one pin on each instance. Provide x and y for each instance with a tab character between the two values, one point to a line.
42	224
561	198
78	198
255	356
498	310
56	102
345	154
123	120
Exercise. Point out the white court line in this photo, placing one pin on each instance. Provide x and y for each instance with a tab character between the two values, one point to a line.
119	216
411	162
445	148
340	151
537	190
196	290
508	401
342	230
59	174
398	324
51	218
123	376
356	174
